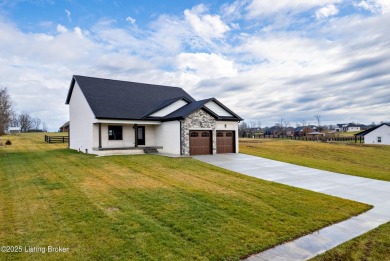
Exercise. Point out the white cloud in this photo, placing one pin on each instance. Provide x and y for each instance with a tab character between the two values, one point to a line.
68	15
326	11
61	29
204	65
375	6
206	26
263	74
258	8
130	20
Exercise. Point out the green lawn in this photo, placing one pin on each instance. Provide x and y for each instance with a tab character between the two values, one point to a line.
370	161
365	161
372	246
146	207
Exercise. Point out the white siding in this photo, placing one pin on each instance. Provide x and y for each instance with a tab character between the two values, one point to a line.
168	136
170	108
383	132
127	137
81	118
229	125
217	109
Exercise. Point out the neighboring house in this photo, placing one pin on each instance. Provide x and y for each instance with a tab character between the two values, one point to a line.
376	135
290	131
65	127
274	130
13	130
302	131
350	127
119	117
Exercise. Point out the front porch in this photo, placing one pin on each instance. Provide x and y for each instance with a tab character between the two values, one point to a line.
124	137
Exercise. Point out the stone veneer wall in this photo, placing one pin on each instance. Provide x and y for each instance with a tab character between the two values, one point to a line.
197	121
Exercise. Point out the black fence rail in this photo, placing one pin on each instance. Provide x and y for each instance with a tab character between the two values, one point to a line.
56	139
310	138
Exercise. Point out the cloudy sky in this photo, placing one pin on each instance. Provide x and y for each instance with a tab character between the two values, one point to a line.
263	59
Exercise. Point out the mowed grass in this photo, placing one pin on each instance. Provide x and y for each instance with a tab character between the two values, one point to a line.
372	246
146	207
370	161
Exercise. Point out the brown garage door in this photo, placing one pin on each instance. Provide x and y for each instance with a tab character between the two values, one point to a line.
200	142
225	142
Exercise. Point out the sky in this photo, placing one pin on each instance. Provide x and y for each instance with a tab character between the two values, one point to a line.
265	60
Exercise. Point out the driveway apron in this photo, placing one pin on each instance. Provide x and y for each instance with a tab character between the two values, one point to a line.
369	191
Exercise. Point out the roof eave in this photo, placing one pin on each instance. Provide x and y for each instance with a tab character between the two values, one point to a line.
70	90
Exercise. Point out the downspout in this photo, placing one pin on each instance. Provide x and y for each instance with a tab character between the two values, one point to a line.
181	140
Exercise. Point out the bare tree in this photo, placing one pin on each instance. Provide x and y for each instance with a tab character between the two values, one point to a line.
25	122
44	127
282	125
242	129
6	110
36	123
318	118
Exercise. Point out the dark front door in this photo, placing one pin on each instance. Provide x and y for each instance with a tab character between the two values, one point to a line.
141	135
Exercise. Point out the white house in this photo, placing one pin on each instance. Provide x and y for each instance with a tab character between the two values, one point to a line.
350	127
118	117
376	135
14	130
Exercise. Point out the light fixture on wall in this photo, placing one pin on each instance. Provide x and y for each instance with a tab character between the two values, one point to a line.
225	126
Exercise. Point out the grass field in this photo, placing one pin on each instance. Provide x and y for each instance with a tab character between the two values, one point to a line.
146	207
372	246
365	161
368	161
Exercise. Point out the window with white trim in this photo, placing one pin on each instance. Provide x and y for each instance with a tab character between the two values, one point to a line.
379	139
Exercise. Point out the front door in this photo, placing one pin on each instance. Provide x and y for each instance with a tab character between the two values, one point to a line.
141	135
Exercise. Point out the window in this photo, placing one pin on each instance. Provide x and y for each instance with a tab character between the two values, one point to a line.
194	134
115	132
205	134
379	139
219	134
229	134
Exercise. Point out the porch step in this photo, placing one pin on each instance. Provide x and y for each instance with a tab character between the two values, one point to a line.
150	150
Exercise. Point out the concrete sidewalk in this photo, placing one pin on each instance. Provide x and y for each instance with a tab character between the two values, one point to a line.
370	191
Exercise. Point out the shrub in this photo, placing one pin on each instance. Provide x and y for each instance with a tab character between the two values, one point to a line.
8	142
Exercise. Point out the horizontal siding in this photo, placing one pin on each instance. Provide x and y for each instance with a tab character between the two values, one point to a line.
217	109
169	109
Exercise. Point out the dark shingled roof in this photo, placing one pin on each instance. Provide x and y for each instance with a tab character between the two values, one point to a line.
112	99
362	133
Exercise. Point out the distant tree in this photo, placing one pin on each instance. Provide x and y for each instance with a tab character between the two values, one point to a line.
25	121
36	123
282	125
6	110
242	129
318	118
44	127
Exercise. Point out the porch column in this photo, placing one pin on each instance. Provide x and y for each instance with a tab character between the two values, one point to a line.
100	135
136	135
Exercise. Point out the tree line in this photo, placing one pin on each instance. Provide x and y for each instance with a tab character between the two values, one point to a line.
10	118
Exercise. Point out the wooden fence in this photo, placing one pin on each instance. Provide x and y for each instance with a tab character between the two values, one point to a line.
56	139
359	139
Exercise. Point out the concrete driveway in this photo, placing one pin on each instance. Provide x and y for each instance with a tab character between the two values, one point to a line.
369	191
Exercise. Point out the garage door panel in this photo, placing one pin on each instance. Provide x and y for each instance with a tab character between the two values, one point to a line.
225	142
200	142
